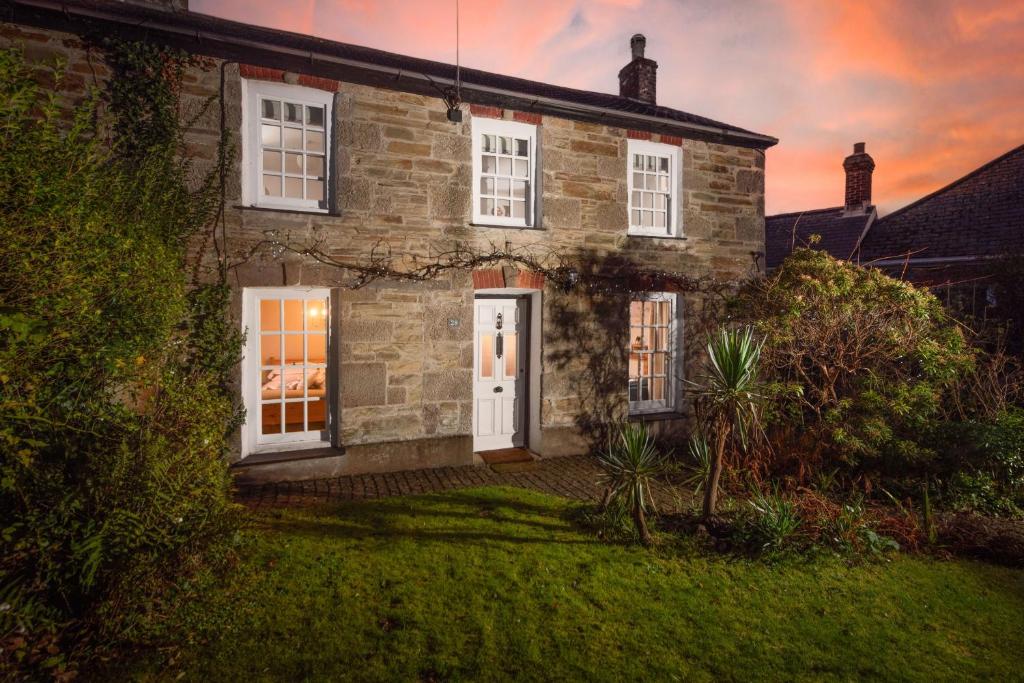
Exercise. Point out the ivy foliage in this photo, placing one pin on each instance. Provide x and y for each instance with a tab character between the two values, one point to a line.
115	374
858	362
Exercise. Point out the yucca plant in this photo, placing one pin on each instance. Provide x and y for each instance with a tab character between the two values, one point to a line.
700	462
629	465
730	397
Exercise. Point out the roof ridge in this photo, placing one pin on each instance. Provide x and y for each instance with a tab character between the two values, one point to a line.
797	213
951	185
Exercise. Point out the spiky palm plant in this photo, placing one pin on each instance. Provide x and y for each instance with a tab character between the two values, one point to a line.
730	395
700	462
628	466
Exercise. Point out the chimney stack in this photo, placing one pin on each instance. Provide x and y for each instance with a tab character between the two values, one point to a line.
859	167
638	79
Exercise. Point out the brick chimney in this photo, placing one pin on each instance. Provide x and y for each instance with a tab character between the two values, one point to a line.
859	167
638	79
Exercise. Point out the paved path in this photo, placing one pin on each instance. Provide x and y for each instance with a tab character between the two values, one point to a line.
572	477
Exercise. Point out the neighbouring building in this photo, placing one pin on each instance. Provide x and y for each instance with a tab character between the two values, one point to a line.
355	150
965	240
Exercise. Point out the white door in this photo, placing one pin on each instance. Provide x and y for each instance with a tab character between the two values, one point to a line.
499	390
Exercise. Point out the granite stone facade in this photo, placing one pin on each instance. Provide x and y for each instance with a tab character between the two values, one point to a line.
403	178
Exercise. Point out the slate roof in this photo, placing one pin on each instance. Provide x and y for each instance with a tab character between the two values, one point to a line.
981	214
839	234
343	61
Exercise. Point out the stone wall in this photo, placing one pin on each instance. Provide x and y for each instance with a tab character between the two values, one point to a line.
403	177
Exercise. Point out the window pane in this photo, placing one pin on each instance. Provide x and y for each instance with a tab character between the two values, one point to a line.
487	186
315	166
519	190
657	389
664	312
292	112
293	315
315	116
316	382
647	200
317	415
638	162
637	336
635	311
659	201
272	161
294	416
504	187
271	135
293	163
502	208
316	348
659	219
664	164
293	351
505	146
636	218
270	417
646	220
490	164
293	138
270	384
271	110
518	209
504	166
522	148
270	349
659	364
636	198
638	181
314	141
486	356
293	188
315	190
510	354
489	144
652	182
316	315
651	163
270	315
272	185
522	168
487	207
663	183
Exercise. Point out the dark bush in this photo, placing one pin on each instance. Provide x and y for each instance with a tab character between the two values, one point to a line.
114	395
858	363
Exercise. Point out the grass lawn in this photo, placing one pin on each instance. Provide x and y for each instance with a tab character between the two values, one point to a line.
498	583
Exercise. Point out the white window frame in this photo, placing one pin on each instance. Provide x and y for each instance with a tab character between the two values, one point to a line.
672	375
485	126
253	441
674	215
252	149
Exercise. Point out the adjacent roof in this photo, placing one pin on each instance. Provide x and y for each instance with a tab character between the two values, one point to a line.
979	215
316	56
839	232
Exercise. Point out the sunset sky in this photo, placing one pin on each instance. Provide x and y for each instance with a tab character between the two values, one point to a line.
935	87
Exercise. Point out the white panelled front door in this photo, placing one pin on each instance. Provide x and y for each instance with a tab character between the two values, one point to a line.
499	375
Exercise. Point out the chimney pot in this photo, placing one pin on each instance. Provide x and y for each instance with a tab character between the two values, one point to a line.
858	166
637	44
638	79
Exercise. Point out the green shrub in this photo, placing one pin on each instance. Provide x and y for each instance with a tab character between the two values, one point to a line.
857	363
981	464
772	522
115	401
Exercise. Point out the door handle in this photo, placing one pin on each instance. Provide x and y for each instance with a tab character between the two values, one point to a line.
498	390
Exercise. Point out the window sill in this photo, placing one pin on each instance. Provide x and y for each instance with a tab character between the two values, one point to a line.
657	416
655	237
475	224
289	455
278	209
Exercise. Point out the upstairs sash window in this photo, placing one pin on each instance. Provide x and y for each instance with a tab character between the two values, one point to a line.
504	169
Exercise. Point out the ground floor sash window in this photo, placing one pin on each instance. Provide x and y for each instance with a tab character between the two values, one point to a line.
286	367
653	352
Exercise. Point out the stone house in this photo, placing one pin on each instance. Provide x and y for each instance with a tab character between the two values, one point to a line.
363	153
965	241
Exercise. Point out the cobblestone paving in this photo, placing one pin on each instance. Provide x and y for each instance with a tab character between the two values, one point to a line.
572	477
